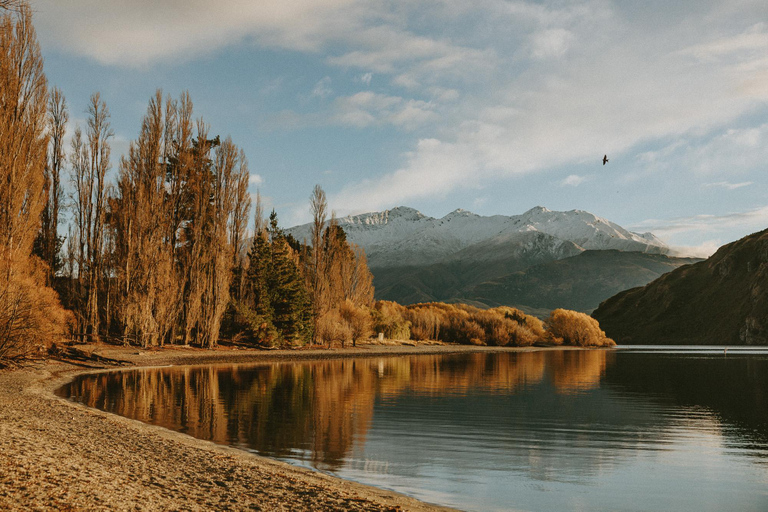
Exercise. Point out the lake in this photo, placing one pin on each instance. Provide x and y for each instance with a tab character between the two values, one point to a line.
637	428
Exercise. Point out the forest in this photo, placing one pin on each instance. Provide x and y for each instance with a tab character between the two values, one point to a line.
156	248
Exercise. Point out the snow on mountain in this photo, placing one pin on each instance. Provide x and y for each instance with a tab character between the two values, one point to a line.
405	236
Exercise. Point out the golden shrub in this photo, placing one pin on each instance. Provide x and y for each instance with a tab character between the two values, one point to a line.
359	320
332	328
31	317
389	318
574	328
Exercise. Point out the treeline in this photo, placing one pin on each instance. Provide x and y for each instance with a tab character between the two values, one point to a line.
161	254
501	326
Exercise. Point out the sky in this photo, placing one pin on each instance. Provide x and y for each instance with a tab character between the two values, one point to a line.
493	106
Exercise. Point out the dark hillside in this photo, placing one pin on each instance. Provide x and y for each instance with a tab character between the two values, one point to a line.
579	283
721	300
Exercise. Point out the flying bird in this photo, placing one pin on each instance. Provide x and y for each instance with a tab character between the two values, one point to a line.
605	159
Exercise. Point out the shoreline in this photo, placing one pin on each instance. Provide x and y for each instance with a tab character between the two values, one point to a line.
57	454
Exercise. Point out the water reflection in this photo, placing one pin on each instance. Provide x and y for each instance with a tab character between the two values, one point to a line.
545	429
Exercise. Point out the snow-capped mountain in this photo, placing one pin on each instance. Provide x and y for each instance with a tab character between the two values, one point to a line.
404	236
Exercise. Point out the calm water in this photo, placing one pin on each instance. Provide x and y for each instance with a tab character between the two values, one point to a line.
634	429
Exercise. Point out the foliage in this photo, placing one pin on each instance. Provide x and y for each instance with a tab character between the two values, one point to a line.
389	319
359	320
574	328
31	317
30	314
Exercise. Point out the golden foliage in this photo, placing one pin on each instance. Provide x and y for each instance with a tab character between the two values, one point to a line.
468	325
30	314
574	328
31	318
389	319
359	320
332	328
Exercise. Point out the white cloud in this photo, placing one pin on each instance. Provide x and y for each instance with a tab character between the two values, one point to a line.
729	151
142	32
725	226
366	78
439	168
322	88
573	180
361	110
727	185
255	180
703	250
552	43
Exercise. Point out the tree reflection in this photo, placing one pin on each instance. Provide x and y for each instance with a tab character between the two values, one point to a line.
320	407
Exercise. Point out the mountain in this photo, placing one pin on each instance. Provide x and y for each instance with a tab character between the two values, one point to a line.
580	282
719	301
404	236
417	258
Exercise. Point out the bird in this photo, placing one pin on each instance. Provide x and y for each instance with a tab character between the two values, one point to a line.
605	159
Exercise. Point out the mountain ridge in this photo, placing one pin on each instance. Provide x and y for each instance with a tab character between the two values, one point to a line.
386	236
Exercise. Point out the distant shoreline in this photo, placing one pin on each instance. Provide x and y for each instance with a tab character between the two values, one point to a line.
56	454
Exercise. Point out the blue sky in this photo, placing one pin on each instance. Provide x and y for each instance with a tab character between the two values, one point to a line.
494	106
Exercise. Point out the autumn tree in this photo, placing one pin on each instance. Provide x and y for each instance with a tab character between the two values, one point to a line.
147	297
90	161
29	310
340	283
178	217
315	270
48	243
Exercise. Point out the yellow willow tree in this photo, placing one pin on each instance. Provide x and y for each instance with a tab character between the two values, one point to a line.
29	311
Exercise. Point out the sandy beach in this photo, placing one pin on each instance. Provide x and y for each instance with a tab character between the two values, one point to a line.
59	455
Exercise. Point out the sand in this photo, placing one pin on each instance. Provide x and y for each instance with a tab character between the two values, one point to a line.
59	455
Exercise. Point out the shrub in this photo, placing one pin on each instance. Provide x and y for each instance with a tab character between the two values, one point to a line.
389	318
359	320
31	317
574	328
332	328
257	328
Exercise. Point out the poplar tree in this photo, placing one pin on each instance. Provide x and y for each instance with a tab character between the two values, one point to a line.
29	310
48	243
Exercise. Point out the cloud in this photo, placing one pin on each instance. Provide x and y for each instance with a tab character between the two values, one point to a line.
366	78
322	88
440	167
703	250
143	32
726	225
728	151
361	110
573	180
552	43
728	186
255	180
